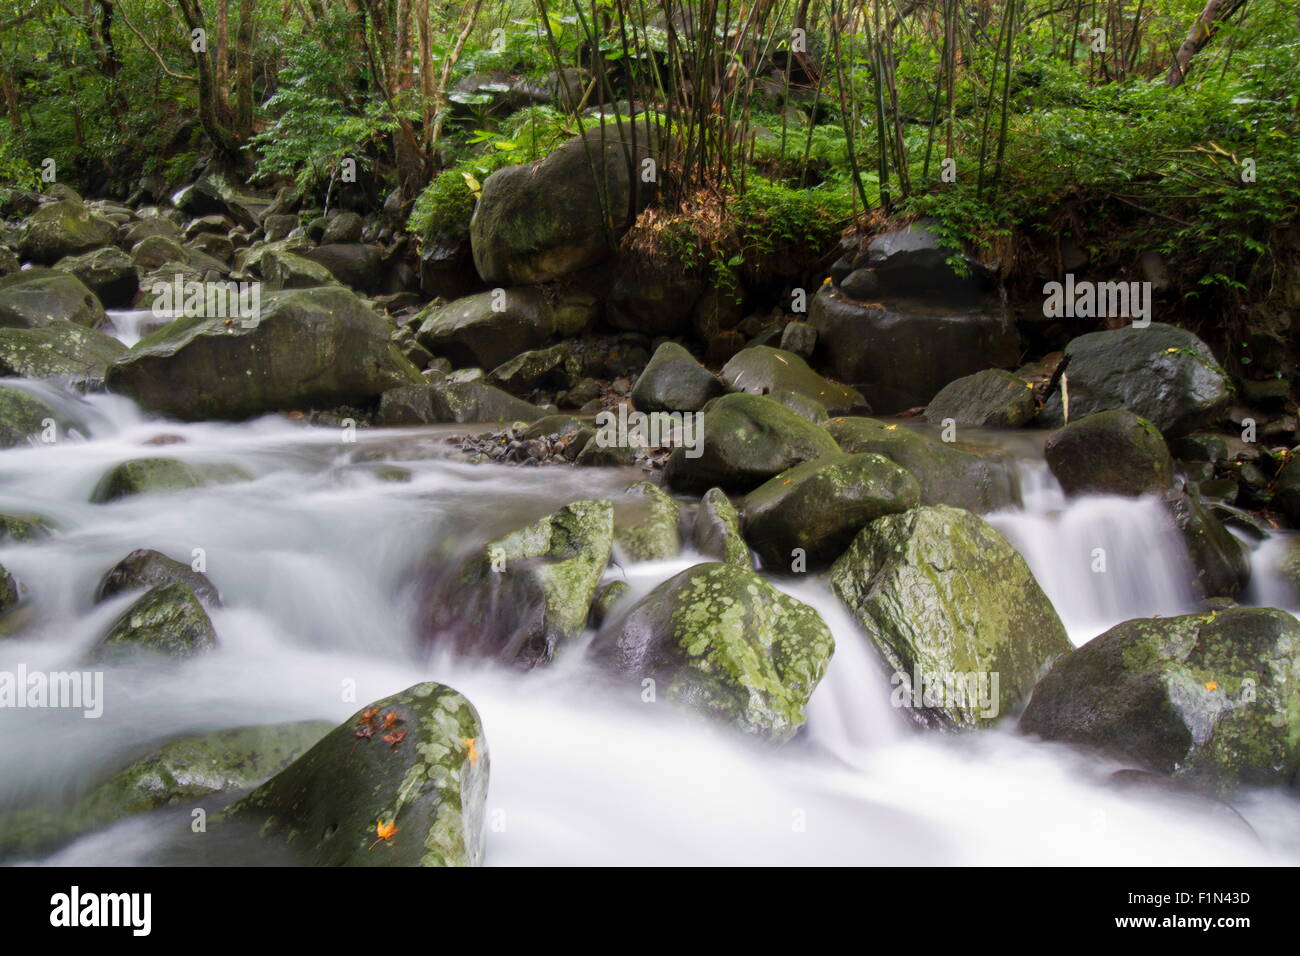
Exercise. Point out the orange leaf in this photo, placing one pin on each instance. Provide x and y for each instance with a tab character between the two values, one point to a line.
394	739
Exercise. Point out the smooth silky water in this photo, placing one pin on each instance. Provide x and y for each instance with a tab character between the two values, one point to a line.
319	559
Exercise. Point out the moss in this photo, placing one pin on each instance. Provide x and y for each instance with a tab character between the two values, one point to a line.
651	534
168	619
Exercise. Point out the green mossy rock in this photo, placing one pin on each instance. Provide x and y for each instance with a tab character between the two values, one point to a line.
168	619
988	399
23	528
487	329
37	297
109	273
763	370
65	228
821	505
312	348
674	382
524	596
327	805
1110	453
747	439
10	593
141	476
461	402
1221	561
1162	373
555	367
721	640
176	773
1214	697
284	269
961	475
58	349
22	416
938	591
717	531
649	529
144	568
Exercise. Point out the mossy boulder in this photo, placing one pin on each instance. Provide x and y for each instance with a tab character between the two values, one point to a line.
284	269
746	440
648	528
168	620
65	228
963	475
36	297
140	476
1220	560
487	329
173	774
721	640
145	568
18	528
554	367
1110	453
23	415
674	381
717	531
462	402
763	370
311	348
988	399
10	592
327	807
524	596
107	272
58	349
942	595
1163	373
1213	697
818	507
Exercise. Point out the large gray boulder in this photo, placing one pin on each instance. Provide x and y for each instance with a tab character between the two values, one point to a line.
64	228
763	370
311	348
36	297
58	349
1110	453
107	272
548	219
988	399
487	329
1163	373
674	382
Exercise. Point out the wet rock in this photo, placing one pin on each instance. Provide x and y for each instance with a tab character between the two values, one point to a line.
1114	453
1220	560
525	596
746	440
650	530
357	265
913	261
799	338
674	382
721	640
327	807
988	399
168	620
108	272
343	227
944	597
311	348
140	476
10	592
453	402
144	568
37	297
717	531
20	528
961	475
215	193
762	370
58	349
1210	697
23	416
487	329
555	367
283	269
64	228
818	507
1162	373
607	599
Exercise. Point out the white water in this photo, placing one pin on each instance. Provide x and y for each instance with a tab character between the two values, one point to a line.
314	559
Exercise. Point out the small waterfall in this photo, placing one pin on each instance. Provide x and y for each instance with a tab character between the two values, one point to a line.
129	326
1100	559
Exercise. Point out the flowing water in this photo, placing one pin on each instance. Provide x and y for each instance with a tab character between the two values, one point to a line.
316	559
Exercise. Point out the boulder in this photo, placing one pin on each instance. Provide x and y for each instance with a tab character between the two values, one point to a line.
901	354
649	529
721	640
538	222
168	620
402	782
1220	560
357	265
652	296
487	329
343	227
311	348
1162	373
461	402
152	253
948	603
64	228
140	476
283	269
144	568
746	440
717	533
914	261
1210	697
22	528
58	349
988	399
962	475
108	272
762	370
216	193
674	382
555	367
23	416
37	297
1110	453
818	507
523	597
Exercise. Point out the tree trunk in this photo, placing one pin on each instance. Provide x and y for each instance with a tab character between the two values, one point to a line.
1215	14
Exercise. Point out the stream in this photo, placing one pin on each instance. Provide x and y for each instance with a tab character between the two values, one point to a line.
317	560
